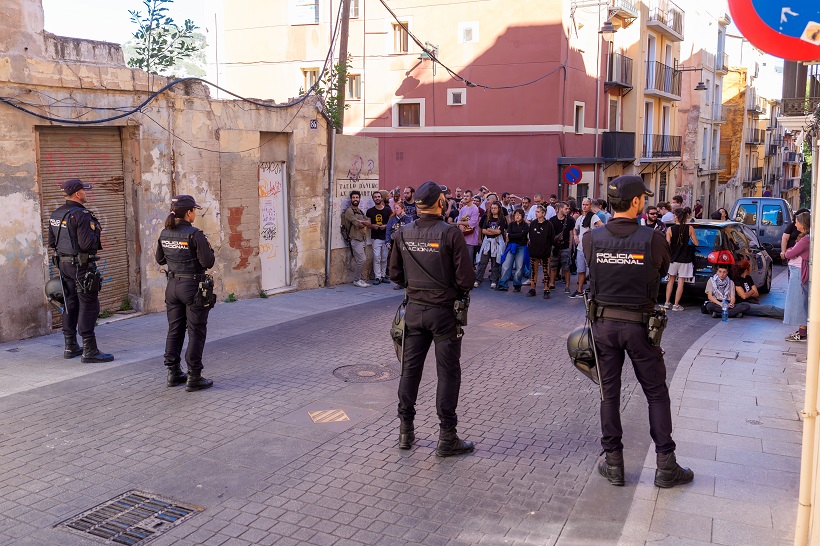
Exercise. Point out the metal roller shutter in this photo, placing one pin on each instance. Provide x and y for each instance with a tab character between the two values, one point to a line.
94	155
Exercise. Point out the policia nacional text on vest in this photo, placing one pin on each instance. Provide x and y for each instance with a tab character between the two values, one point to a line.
74	235
189	295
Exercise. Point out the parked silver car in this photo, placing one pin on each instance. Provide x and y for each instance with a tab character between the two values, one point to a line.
766	216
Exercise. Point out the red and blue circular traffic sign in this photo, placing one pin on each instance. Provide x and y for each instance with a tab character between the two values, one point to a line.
789	29
572	174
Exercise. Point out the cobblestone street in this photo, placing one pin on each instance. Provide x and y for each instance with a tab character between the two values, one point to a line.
248	452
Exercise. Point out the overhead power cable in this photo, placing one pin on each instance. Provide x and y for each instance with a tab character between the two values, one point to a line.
11	101
455	75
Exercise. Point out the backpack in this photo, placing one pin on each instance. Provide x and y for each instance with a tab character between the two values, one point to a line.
345	232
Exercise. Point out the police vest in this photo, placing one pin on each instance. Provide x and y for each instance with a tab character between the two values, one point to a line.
432	268
64	233
622	270
179	251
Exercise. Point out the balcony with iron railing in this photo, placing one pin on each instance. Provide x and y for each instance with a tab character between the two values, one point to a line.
618	146
662	81
755	104
666	18
792	158
790	184
755	175
618	73
799	107
661	146
625	9
755	137
722	162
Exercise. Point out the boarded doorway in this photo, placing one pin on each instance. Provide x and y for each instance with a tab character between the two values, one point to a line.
273	236
94	155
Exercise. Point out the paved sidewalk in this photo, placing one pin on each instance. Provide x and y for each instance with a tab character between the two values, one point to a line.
736	398
36	362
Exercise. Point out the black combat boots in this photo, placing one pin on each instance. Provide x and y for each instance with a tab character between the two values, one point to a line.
450	444
611	467
72	348
175	376
407	435
196	382
669	473
93	355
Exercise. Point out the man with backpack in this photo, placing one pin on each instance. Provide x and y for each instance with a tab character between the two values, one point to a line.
355	223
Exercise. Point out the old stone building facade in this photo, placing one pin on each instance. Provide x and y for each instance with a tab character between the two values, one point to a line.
262	174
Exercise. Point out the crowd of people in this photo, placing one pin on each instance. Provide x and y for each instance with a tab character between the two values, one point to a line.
522	241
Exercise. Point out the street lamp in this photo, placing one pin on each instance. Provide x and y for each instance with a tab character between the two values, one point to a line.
607	29
700	86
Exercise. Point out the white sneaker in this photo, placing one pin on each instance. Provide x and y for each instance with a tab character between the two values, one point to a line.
493	285
361	284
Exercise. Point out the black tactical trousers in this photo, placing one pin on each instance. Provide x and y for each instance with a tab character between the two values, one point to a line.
81	310
182	315
425	325
612	340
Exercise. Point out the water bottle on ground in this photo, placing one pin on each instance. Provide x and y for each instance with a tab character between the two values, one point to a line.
725	315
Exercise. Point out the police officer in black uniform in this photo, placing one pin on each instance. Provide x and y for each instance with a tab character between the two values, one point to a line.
74	235
627	262
188	254
431	260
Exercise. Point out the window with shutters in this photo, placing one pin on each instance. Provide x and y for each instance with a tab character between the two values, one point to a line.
354	87
354	9
408	113
310	75
468	32
456	97
579	118
401	40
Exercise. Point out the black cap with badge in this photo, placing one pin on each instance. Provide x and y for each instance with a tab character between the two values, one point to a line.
428	193
70	187
627	187
184	202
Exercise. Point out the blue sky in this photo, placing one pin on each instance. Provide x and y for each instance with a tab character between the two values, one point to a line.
108	20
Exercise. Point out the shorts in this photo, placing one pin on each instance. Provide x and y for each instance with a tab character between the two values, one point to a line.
581	262
684	271
562	260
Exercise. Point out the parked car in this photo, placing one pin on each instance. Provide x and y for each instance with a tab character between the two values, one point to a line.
766	216
727	243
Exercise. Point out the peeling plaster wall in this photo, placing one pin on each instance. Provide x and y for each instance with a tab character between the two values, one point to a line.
215	157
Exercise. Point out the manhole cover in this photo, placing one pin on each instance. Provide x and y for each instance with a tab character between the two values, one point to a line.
132	518
366	373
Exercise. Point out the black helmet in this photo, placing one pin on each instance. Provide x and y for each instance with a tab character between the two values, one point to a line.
54	290
397	330
581	351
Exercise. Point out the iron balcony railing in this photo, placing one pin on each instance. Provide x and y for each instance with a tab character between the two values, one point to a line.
755	136
659	146
661	77
791	184
722	162
754	103
618	145
668	14
800	107
628	7
757	173
792	157
618	70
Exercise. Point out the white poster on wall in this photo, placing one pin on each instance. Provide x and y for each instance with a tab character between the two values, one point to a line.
303	12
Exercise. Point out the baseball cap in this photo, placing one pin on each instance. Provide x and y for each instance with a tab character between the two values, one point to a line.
184	202
429	192
627	187
70	187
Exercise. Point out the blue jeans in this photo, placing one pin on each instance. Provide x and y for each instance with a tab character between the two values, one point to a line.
506	269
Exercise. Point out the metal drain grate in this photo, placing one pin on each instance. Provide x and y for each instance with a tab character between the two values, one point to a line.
366	373
134	517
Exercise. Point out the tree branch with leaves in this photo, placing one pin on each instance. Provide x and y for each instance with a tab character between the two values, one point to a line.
328	89
159	43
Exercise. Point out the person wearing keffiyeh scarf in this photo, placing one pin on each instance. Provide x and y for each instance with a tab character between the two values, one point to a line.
720	287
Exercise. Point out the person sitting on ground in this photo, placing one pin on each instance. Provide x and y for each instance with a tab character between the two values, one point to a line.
747	292
720	287
493	227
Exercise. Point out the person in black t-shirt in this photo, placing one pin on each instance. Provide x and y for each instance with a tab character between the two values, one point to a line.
378	215
747	292
517	232
563	225
541	236
493	228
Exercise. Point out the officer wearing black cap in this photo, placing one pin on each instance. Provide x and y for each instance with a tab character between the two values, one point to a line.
74	235
431	260
627	262
189	294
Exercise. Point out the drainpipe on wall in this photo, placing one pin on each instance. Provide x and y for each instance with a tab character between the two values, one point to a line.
331	190
809	413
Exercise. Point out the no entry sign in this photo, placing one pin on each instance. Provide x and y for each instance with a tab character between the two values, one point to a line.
789	29
572	174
